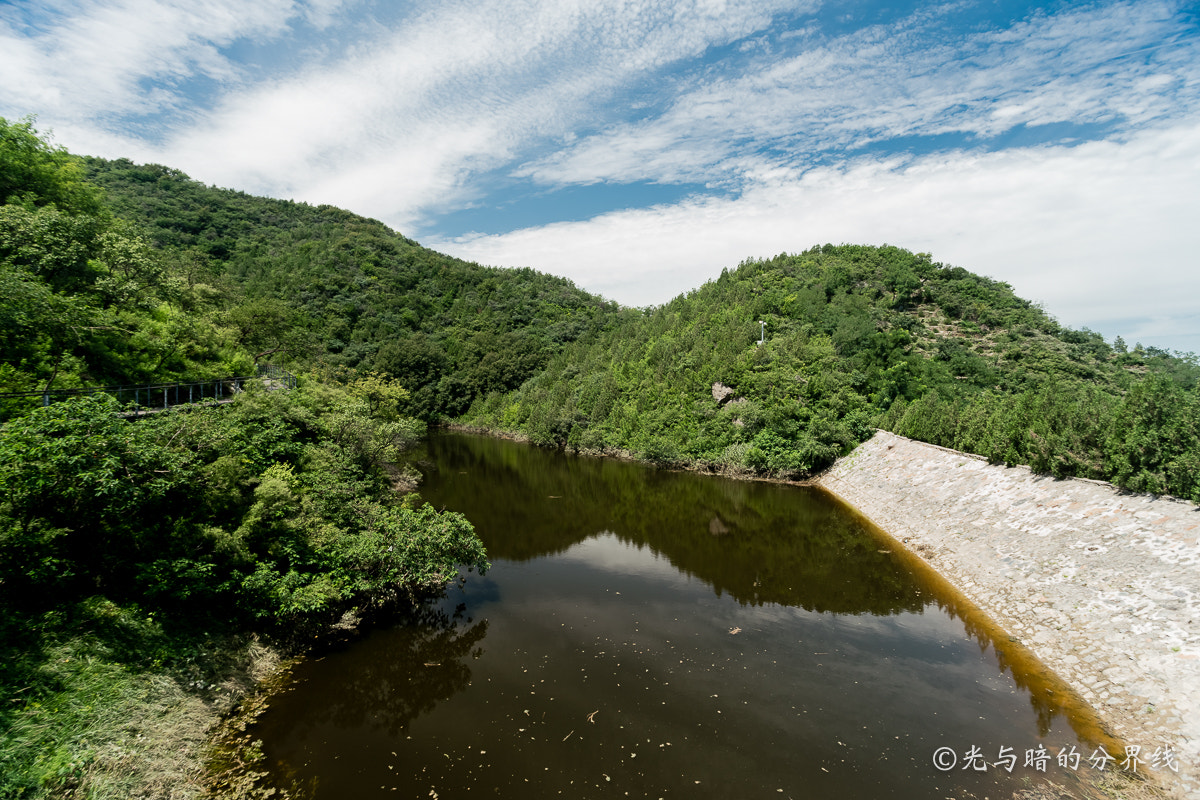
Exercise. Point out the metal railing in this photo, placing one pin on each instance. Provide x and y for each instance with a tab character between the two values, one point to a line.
152	397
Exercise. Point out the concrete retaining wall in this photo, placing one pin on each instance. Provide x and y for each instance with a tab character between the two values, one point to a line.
1102	585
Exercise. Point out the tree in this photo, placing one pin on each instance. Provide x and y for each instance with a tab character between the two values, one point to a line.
265	326
34	173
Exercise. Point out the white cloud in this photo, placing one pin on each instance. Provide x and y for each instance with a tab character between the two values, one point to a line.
93	59
325	13
394	128
908	79
1103	233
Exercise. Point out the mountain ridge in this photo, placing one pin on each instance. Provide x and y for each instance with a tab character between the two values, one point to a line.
856	337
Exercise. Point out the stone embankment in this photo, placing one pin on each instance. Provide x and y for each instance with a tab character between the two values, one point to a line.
1102	585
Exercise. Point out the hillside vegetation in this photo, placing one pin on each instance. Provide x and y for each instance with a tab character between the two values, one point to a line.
856	338
307	284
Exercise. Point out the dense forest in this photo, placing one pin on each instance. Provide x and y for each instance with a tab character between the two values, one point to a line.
780	366
311	285
137	554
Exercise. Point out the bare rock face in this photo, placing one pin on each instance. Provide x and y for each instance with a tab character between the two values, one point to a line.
721	392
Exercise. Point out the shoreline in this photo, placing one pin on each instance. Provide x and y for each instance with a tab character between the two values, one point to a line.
1011	544
1101	585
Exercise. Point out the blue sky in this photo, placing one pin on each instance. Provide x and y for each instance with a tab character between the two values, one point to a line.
640	147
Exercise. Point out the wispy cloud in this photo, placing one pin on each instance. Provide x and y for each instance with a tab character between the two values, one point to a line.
1124	63
398	125
102	60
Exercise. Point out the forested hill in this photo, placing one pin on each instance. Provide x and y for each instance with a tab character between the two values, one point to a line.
118	272
125	273
327	284
856	338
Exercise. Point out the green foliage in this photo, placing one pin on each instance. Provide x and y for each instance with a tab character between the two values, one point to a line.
33	173
80	463
189	280
309	284
274	513
858	337
407	548
253	508
84	298
159	278
384	395
1155	446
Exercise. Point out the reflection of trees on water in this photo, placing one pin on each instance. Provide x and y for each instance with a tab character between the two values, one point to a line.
756	542
407	671
1049	695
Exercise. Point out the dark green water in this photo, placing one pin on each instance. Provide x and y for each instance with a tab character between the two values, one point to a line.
657	634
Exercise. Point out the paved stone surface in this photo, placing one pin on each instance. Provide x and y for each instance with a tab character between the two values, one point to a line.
1102	585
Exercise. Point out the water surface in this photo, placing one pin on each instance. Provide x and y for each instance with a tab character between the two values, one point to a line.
646	633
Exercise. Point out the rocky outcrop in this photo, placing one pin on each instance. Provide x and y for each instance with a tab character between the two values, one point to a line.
721	392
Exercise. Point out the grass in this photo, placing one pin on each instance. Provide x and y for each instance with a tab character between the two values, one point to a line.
1110	786
100	702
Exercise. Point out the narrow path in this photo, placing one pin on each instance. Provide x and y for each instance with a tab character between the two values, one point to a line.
1102	585
150	398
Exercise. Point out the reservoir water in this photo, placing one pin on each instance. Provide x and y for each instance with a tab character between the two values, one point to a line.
646	633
